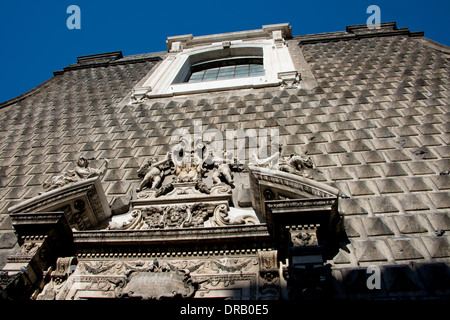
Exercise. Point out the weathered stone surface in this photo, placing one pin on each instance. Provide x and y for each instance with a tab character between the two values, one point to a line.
371	112
440	221
377	227
404	249
7	239
409	224
370	250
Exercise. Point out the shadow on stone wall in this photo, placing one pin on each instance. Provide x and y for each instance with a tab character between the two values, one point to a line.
414	281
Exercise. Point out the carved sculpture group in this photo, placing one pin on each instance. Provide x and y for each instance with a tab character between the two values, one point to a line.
185	167
197	184
188	166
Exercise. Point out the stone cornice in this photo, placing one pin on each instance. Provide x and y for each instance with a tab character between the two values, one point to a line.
173	240
265	32
356	32
178	235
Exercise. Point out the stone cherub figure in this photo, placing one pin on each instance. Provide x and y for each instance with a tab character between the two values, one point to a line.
223	168
81	172
295	164
153	172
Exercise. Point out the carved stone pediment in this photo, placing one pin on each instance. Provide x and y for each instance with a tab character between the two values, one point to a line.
300	213
157	285
267	185
84	203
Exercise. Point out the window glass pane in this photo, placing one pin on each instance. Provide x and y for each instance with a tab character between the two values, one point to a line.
256	70
211	74
254	74
242	75
256	67
242	67
227	71
242	70
196	76
225	76
212	71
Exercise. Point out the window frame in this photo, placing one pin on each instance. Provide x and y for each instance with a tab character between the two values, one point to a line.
184	51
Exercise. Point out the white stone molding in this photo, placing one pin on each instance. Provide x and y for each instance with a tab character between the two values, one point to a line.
268	43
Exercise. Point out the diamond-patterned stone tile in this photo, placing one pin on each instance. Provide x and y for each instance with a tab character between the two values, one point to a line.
410	224
404	249
440	199
413	202
438	247
370	250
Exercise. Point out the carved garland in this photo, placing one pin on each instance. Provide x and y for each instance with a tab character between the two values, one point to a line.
148	279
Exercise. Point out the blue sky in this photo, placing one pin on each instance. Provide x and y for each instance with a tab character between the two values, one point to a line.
35	40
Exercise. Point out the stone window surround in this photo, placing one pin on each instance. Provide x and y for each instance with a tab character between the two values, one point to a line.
270	40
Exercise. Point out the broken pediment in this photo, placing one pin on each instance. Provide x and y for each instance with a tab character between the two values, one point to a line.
84	203
301	213
268	184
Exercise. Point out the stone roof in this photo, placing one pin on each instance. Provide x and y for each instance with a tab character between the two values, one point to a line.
375	123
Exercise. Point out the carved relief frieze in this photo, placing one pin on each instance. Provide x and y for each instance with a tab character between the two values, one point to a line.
301	236
228	286
292	184
197	214
189	189
29	248
194	266
149	279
